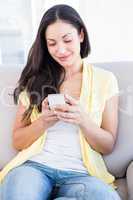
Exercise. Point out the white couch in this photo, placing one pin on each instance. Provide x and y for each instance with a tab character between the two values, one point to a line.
118	161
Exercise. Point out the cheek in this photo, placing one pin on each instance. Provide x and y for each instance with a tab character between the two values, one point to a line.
76	43
76	47
73	47
51	50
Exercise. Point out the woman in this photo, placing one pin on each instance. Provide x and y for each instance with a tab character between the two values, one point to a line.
62	146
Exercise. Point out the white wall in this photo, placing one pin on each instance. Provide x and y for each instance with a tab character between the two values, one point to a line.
110	26
15	30
109	23
39	7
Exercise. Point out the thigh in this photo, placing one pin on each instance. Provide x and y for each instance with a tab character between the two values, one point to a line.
26	182
87	187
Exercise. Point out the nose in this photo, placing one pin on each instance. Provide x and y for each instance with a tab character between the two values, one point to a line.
61	49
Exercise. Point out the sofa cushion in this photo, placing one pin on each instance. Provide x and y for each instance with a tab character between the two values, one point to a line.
118	161
122	188
8	79
130	181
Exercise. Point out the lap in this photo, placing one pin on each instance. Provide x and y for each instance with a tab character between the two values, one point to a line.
26	182
87	187
31	182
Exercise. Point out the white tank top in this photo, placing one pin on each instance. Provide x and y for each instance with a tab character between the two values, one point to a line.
62	148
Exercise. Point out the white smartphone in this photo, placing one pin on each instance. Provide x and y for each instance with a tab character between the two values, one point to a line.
55	99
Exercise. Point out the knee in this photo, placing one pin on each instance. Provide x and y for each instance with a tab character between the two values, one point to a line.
14	185
23	183
99	190
15	175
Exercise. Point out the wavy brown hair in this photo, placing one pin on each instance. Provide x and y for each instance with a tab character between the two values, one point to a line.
42	75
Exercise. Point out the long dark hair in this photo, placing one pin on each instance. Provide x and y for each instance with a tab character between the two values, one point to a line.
42	75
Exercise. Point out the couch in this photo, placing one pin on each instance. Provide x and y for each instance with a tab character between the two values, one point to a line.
119	162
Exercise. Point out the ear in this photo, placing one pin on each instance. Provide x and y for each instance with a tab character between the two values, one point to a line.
81	36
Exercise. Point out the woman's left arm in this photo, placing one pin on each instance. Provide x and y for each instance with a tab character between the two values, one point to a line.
103	138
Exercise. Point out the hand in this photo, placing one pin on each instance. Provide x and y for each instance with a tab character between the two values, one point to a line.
49	117
72	111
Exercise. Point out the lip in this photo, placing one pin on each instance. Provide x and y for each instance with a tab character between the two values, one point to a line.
63	58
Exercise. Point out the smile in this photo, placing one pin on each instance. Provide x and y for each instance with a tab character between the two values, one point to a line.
63	58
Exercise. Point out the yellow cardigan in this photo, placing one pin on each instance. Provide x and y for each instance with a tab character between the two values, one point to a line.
98	85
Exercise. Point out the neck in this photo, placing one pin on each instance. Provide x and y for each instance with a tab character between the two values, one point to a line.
73	70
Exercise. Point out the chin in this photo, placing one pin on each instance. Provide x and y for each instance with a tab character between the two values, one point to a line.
67	63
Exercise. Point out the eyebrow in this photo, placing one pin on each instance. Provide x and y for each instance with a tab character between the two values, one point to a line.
62	36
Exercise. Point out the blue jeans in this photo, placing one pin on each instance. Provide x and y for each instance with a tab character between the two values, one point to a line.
34	181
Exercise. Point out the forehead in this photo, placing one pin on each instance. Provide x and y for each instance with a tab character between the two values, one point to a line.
59	29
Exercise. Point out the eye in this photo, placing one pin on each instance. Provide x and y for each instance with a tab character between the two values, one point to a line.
52	44
68	41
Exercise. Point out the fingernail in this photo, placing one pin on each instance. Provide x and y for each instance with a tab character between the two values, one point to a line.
67	96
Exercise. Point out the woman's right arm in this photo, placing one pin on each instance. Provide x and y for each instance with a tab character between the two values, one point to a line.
26	133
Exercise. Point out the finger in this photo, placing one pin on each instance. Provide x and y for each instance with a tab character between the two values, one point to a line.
45	101
45	107
52	118
67	115
45	104
66	108
63	108
67	120
48	113
70	99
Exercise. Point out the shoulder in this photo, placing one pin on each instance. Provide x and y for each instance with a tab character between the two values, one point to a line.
103	81
103	76
107	82
99	73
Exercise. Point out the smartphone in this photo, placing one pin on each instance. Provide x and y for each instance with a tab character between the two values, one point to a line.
55	99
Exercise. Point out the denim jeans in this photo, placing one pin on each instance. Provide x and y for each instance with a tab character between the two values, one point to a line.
34	181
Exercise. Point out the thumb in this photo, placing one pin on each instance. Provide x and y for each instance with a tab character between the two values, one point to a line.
70	99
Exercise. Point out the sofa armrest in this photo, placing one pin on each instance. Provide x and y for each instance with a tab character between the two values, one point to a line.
129	175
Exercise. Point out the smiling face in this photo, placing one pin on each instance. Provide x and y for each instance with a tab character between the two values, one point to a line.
63	43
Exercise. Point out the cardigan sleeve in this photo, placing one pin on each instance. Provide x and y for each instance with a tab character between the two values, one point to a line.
23	97
112	88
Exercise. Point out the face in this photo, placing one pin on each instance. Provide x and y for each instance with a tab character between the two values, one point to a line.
63	42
